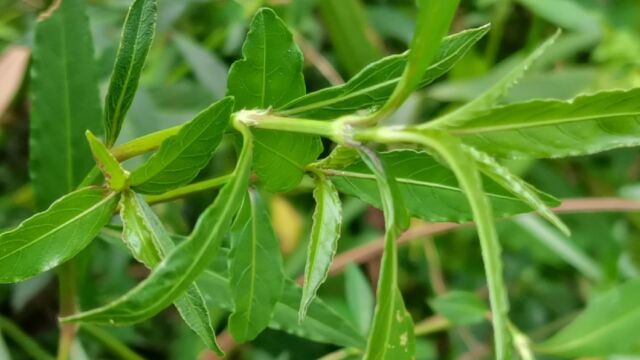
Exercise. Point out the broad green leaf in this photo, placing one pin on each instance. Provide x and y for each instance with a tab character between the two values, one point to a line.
550	128
608	326
149	243
391	335
434	20
268	76
323	242
517	186
115	175
182	156
55	235
65	103
322	323
491	97
568	14
255	270
374	84
137	36
182	266
359	296
430	189
460	307
209	70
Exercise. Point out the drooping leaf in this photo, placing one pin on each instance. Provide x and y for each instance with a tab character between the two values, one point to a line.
323	242
491	97
181	267
255	270
374	84
149	243
551	128
606	327
268	76
137	36
391	335
65	103
55	235
460	307
517	186
322	323
430	189
182	156
360	297
115	175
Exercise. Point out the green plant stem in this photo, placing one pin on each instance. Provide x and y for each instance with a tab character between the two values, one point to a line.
67	289
263	120
111	343
143	144
189	189
432	325
23	340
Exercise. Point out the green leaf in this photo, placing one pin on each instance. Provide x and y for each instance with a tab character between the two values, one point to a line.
551	128
322	323
55	235
182	156
434	20
255	268
462	308
517	186
323	243
430	189
209	70
569	14
115	175
137	36
374	84
491	97
149	243
188	260
360	297
268	76
606	327
65	102
391	335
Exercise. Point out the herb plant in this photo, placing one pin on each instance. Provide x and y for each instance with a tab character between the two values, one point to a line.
445	169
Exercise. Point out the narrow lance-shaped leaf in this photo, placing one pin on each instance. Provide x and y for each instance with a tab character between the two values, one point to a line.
255	270
137	36
604	328
372	86
268	76
325	232
181	267
149	243
434	20
116	176
182	156
430	189
516	186
391	335
551	128
55	235
491	97
65	102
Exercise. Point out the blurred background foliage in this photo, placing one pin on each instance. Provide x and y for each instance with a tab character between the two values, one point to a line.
196	42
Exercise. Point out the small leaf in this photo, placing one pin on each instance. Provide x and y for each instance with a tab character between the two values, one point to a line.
149	243
65	102
606	327
553	128
137	36
181	267
268	76
391	335
182	156
462	308
116	177
55	235
255	268
430	189
360	297
372	86
323	243
491	97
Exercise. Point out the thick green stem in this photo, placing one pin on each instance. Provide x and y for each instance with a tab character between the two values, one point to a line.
67	288
143	144
190	189
263	120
